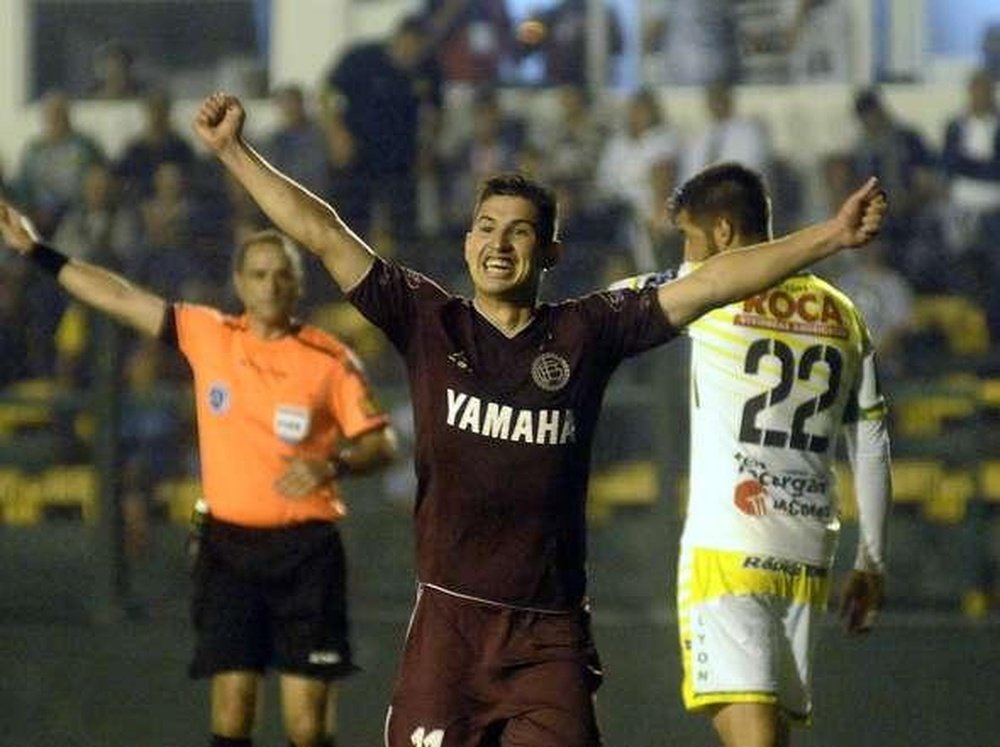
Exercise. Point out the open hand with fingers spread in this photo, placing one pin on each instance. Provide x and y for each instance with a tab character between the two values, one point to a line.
219	122
862	214
19	233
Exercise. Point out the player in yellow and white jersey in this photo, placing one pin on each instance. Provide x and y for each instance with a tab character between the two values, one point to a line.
776	379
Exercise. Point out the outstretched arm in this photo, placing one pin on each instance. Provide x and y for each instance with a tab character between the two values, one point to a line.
732	275
297	212
93	285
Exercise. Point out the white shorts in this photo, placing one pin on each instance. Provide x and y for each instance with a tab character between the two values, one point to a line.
747	627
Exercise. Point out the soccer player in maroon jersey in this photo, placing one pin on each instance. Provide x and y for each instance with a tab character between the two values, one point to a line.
506	393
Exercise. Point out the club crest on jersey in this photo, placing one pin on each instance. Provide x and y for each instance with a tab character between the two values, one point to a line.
550	372
413	278
219	398
291	423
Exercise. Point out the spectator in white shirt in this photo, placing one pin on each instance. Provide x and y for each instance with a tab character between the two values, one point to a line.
638	168
971	161
729	136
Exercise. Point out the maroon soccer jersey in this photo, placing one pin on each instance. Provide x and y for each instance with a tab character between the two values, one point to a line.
504	426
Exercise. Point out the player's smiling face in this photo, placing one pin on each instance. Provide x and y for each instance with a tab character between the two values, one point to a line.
503	250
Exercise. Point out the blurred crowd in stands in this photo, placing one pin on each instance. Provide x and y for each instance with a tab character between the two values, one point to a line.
377	141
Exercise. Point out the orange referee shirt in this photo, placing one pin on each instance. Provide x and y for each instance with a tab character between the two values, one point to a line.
260	402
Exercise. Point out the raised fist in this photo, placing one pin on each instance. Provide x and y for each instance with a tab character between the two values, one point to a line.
219	122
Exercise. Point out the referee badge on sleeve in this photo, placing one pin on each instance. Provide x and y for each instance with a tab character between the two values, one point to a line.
219	397
291	423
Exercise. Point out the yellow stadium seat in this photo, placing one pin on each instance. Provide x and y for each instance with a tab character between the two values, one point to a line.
21	498
989	394
989	480
70	486
924	415
947	504
915	480
179	496
634	483
960	321
10	484
28	405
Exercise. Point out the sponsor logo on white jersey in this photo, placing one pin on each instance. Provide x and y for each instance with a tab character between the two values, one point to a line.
750	498
788	493
806	312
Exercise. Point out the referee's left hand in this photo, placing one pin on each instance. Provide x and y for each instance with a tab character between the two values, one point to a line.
302	477
17	229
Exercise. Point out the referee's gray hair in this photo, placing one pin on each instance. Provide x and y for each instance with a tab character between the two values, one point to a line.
270	236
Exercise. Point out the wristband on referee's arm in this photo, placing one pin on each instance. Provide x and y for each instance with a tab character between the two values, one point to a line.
338	467
48	259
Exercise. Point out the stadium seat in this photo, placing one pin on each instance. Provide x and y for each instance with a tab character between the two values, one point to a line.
69	490
179	496
959	320
16	504
633	483
989	394
989	481
26	405
947	503
914	481
924	408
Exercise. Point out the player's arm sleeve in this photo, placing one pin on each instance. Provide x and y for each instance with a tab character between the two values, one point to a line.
390	296
648	280
353	404
868	452
195	329
868	449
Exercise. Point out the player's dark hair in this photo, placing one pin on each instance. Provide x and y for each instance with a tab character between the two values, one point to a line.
269	236
539	195
726	190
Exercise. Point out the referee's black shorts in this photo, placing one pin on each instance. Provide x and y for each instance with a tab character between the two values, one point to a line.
271	598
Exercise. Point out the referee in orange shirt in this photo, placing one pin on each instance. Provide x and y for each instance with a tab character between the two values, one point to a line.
284	411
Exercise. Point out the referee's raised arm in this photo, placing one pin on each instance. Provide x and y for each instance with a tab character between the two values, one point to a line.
306	218
95	286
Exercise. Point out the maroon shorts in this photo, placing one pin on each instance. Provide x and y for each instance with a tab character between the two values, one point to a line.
476	674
